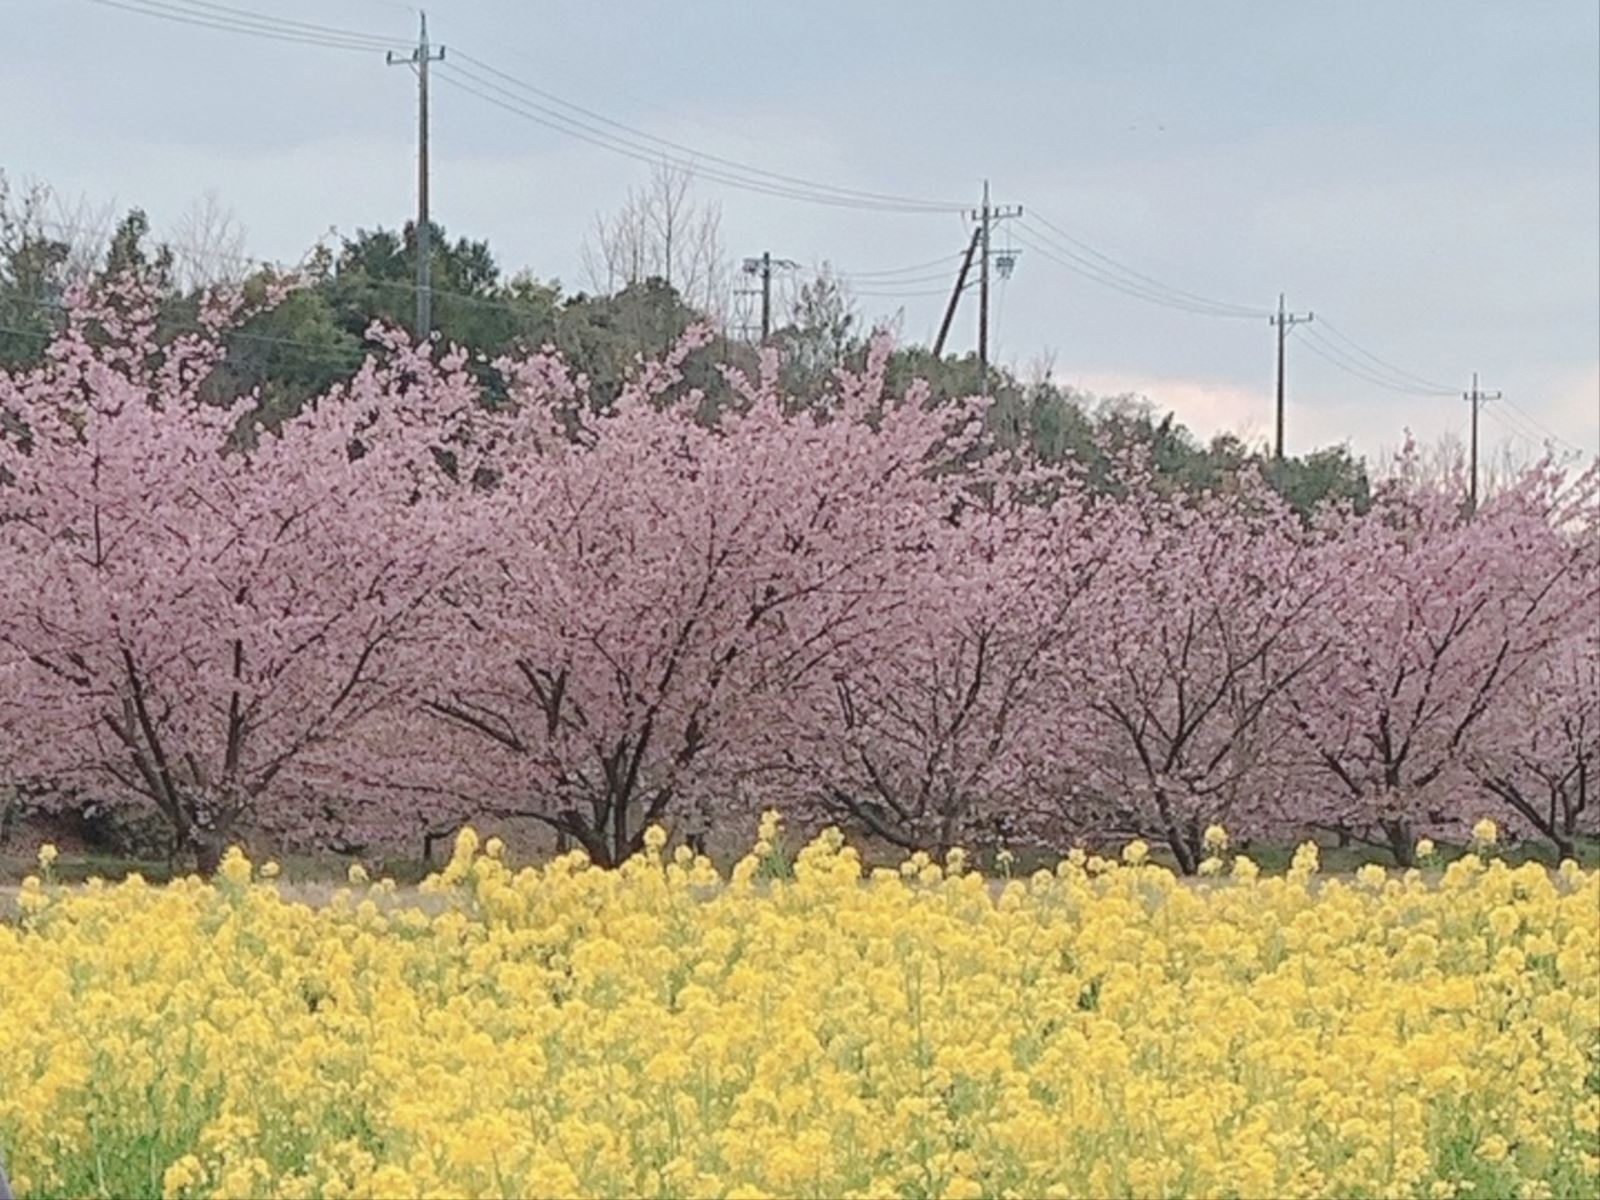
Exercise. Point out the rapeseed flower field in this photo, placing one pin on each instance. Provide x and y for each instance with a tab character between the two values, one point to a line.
809	1028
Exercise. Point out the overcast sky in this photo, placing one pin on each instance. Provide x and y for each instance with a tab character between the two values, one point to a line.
1423	174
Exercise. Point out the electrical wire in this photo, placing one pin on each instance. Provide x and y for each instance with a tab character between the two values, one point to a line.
1350	365
1324	324
909	281
1519	435
677	150
633	147
1082	266
245	14
902	295
941	261
1518	432
1113	266
186	16
1539	425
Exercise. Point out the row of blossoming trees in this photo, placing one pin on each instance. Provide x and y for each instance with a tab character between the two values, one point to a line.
415	603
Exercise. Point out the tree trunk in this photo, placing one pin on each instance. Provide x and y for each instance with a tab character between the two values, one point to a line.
208	846
10	805
1401	842
431	836
1187	856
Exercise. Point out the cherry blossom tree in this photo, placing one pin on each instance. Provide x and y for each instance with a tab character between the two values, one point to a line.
1436	619
196	628
1204	615
938	731
1542	757
653	594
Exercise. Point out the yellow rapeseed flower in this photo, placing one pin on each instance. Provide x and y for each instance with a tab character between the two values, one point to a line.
235	867
562	1030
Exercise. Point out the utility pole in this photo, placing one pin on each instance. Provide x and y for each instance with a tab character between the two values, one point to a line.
764	267
419	59
986	216
955	294
1475	398
766	296
1284	321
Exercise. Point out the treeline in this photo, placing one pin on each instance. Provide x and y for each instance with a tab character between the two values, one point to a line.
645	299
421	599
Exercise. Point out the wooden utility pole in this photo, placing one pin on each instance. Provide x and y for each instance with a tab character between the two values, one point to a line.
764	267
1475	398
419	59
766	295
1284	321
986	216
955	293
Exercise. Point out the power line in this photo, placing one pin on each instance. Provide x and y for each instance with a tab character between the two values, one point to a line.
903	295
678	150
1518	432
265	19
1523	423
1080	265
1333	354
187	16
1418	380
571	127
1540	425
943	262
638	147
1112	266
884	282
